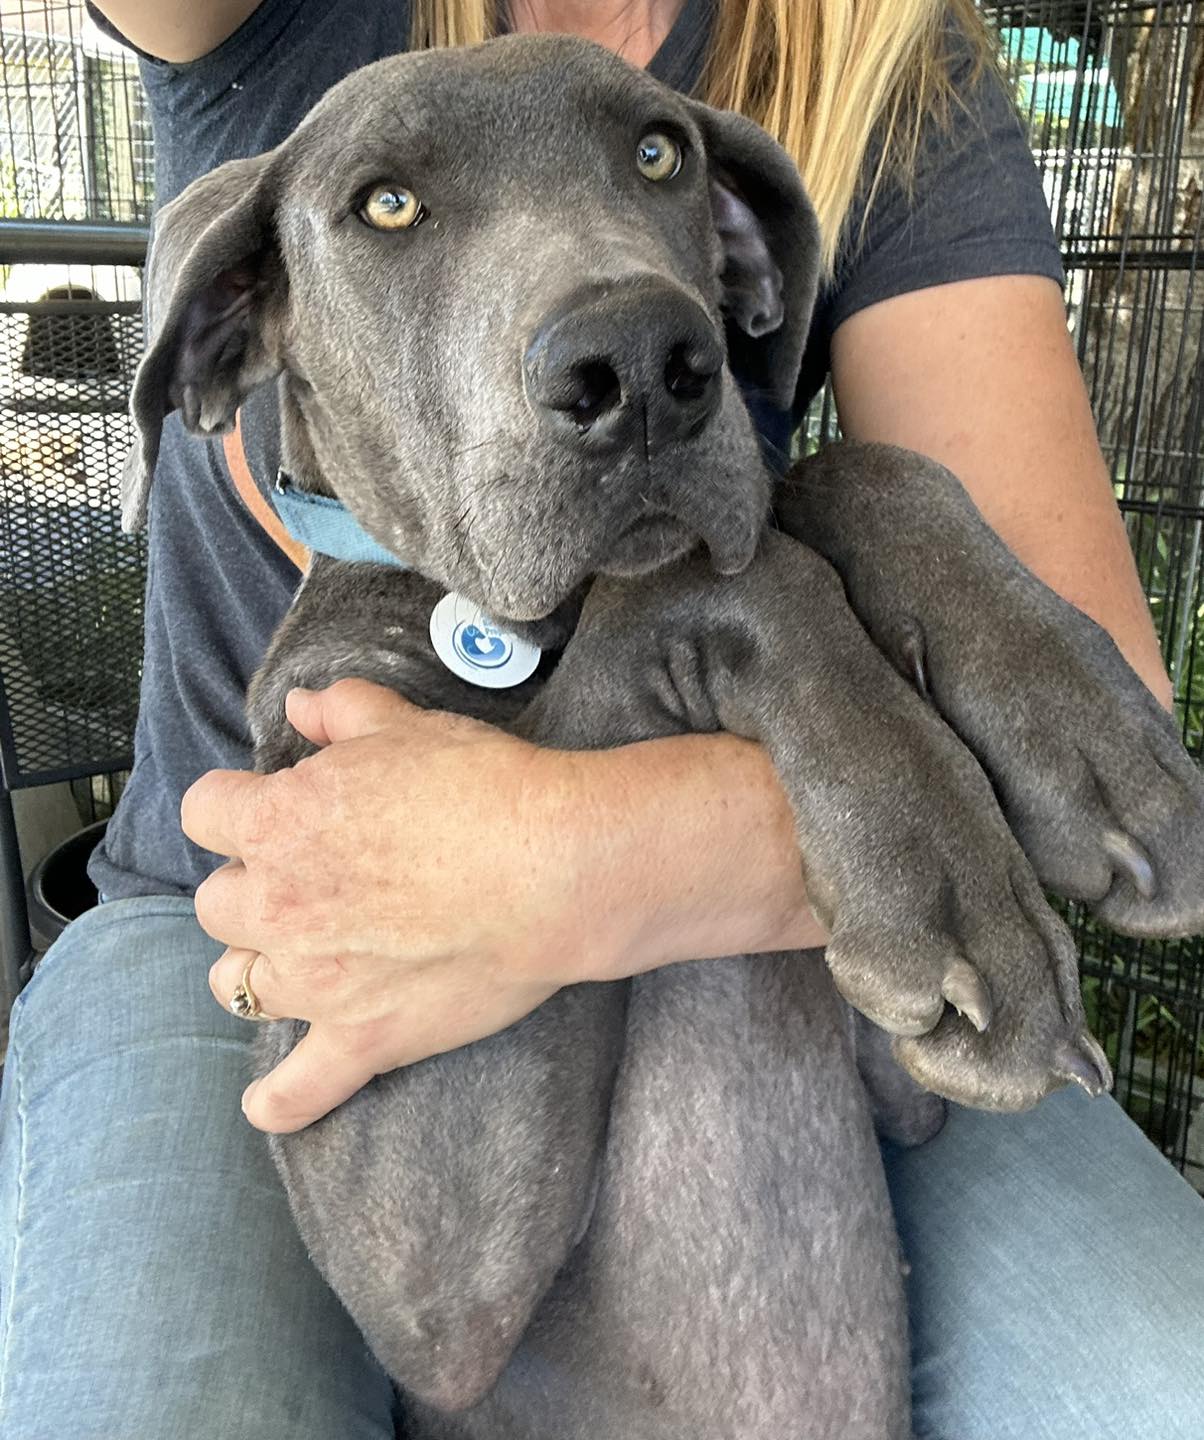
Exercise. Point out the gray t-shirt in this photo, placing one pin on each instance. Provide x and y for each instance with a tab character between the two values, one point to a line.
218	586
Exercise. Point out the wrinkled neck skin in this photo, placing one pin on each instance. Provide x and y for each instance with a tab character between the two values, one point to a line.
634	29
299	462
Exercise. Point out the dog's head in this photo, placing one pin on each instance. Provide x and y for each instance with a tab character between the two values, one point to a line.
505	289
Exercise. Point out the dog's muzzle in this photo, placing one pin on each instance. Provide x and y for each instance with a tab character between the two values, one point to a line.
636	363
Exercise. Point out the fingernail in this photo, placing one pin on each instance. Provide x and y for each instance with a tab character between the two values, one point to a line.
247	1093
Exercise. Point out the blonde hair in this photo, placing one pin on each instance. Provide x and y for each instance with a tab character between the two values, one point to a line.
822	76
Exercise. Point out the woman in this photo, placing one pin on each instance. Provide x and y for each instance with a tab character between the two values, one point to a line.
153	1283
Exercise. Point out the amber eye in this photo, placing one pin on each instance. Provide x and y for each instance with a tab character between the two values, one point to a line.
391	207
658	157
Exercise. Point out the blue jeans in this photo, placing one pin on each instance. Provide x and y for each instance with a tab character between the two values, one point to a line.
151	1283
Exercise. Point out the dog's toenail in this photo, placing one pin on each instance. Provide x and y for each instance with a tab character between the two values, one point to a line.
1131	860
966	991
1084	1063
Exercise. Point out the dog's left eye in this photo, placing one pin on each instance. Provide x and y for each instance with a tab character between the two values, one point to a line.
392	207
658	157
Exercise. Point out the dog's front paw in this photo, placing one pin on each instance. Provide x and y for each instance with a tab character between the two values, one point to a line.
1086	765
1037	1039
909	862
1090	772
993	1071
961	959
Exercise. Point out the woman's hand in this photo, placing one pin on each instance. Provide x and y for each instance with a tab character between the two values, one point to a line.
407	890
425	880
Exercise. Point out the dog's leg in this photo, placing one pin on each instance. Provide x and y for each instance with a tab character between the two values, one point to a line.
932	907
742	1219
1087	766
740	1279
903	1111
441	1199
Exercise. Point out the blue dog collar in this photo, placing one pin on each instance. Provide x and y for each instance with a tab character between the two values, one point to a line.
325	526
465	639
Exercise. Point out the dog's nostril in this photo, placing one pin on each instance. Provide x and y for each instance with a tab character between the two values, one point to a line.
594	390
688	374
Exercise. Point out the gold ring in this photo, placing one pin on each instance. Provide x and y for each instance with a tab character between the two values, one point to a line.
244	1002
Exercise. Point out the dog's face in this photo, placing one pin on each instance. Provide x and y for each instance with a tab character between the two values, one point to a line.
505	289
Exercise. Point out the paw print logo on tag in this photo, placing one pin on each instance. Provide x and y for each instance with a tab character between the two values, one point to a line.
474	648
483	645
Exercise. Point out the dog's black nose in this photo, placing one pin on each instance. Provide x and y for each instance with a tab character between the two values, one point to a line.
636	362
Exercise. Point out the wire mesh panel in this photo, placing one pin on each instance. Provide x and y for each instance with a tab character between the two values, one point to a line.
77	147
78	137
70	582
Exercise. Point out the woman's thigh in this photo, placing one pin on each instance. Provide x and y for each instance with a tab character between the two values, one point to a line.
151	1280
1057	1278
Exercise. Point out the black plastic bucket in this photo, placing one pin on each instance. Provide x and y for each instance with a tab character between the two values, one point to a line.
59	888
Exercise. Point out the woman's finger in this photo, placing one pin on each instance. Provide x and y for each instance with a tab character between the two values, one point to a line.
307	1084
255	974
215	807
347	710
223	905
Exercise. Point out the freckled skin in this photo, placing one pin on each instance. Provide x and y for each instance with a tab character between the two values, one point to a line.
656	1208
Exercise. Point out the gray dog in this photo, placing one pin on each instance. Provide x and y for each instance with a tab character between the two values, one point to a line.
508	293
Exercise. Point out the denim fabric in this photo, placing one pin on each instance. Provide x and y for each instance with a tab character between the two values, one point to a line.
1057	1283
152	1287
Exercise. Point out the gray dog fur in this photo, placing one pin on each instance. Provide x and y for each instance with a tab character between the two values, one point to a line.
657	1208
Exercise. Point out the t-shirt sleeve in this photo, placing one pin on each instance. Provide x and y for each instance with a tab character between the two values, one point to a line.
251	91
975	206
229	63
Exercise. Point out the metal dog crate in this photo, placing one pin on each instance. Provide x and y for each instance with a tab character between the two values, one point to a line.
75	171
1113	95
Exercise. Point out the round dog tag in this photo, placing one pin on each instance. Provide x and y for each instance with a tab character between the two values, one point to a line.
477	650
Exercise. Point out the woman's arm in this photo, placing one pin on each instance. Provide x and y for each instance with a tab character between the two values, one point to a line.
981	375
406	912
176	30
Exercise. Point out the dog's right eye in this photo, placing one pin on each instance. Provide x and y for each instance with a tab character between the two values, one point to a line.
392	207
658	157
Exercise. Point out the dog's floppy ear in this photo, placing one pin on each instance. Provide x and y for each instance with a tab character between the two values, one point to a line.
771	250
213	297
